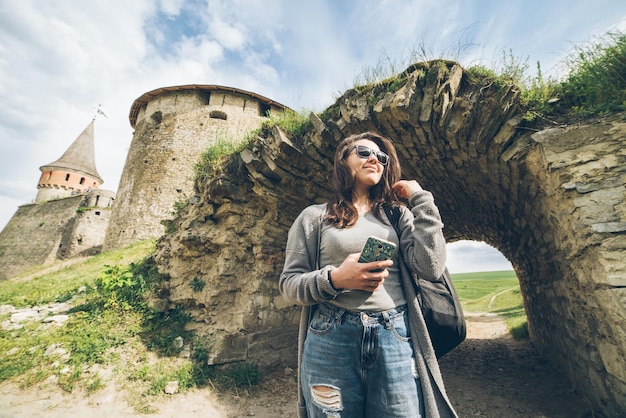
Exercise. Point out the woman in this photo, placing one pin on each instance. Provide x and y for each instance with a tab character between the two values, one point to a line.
363	346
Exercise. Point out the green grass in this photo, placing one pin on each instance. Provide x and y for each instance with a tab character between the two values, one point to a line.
111	326
89	335
493	292
62	284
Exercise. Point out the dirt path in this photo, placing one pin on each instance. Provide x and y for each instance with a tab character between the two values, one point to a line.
490	375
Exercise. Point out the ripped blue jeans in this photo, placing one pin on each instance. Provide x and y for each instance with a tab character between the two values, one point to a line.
360	364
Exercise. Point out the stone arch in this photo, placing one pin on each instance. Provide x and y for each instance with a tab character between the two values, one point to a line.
552	201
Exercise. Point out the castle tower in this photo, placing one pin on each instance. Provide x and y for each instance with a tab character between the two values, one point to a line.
74	172
174	126
70	216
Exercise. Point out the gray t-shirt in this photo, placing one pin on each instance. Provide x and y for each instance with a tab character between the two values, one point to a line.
337	244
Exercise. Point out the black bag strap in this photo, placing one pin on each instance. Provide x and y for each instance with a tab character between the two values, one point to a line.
393	213
446	324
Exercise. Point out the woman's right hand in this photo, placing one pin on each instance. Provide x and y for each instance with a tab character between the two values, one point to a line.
352	275
406	188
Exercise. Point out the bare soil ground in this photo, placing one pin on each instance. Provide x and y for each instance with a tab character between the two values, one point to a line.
493	375
490	375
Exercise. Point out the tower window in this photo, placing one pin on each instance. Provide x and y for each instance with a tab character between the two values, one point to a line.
82	180
205	97
264	109
67	177
218	114
157	116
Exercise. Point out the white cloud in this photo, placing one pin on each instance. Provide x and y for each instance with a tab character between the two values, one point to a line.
227	35
470	256
171	7
198	51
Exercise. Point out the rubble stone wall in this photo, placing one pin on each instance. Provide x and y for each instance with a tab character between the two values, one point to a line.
41	233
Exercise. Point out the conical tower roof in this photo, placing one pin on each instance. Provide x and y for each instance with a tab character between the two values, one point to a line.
80	157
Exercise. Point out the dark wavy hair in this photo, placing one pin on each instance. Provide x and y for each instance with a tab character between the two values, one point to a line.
341	211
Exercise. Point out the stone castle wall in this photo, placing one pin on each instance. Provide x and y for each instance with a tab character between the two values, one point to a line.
173	129
553	202
41	233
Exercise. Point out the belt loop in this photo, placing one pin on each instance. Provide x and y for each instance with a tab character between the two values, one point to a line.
387	320
338	314
335	311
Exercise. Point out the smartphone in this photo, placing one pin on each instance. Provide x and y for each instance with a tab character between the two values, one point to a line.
376	249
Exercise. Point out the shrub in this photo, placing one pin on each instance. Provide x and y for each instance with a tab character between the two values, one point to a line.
211	160
594	86
293	123
197	284
597	81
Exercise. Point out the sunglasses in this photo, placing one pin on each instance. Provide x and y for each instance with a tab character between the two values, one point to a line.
365	152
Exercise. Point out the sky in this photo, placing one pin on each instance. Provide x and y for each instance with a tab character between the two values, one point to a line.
62	60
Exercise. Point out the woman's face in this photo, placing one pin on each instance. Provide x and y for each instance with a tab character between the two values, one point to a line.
367	171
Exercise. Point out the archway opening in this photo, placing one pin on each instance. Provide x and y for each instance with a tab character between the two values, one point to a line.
489	290
498	357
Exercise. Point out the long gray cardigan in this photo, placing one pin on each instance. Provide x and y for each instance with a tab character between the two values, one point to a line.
422	245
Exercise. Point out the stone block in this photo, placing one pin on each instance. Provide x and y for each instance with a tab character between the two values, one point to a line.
228	348
613	359
609	227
